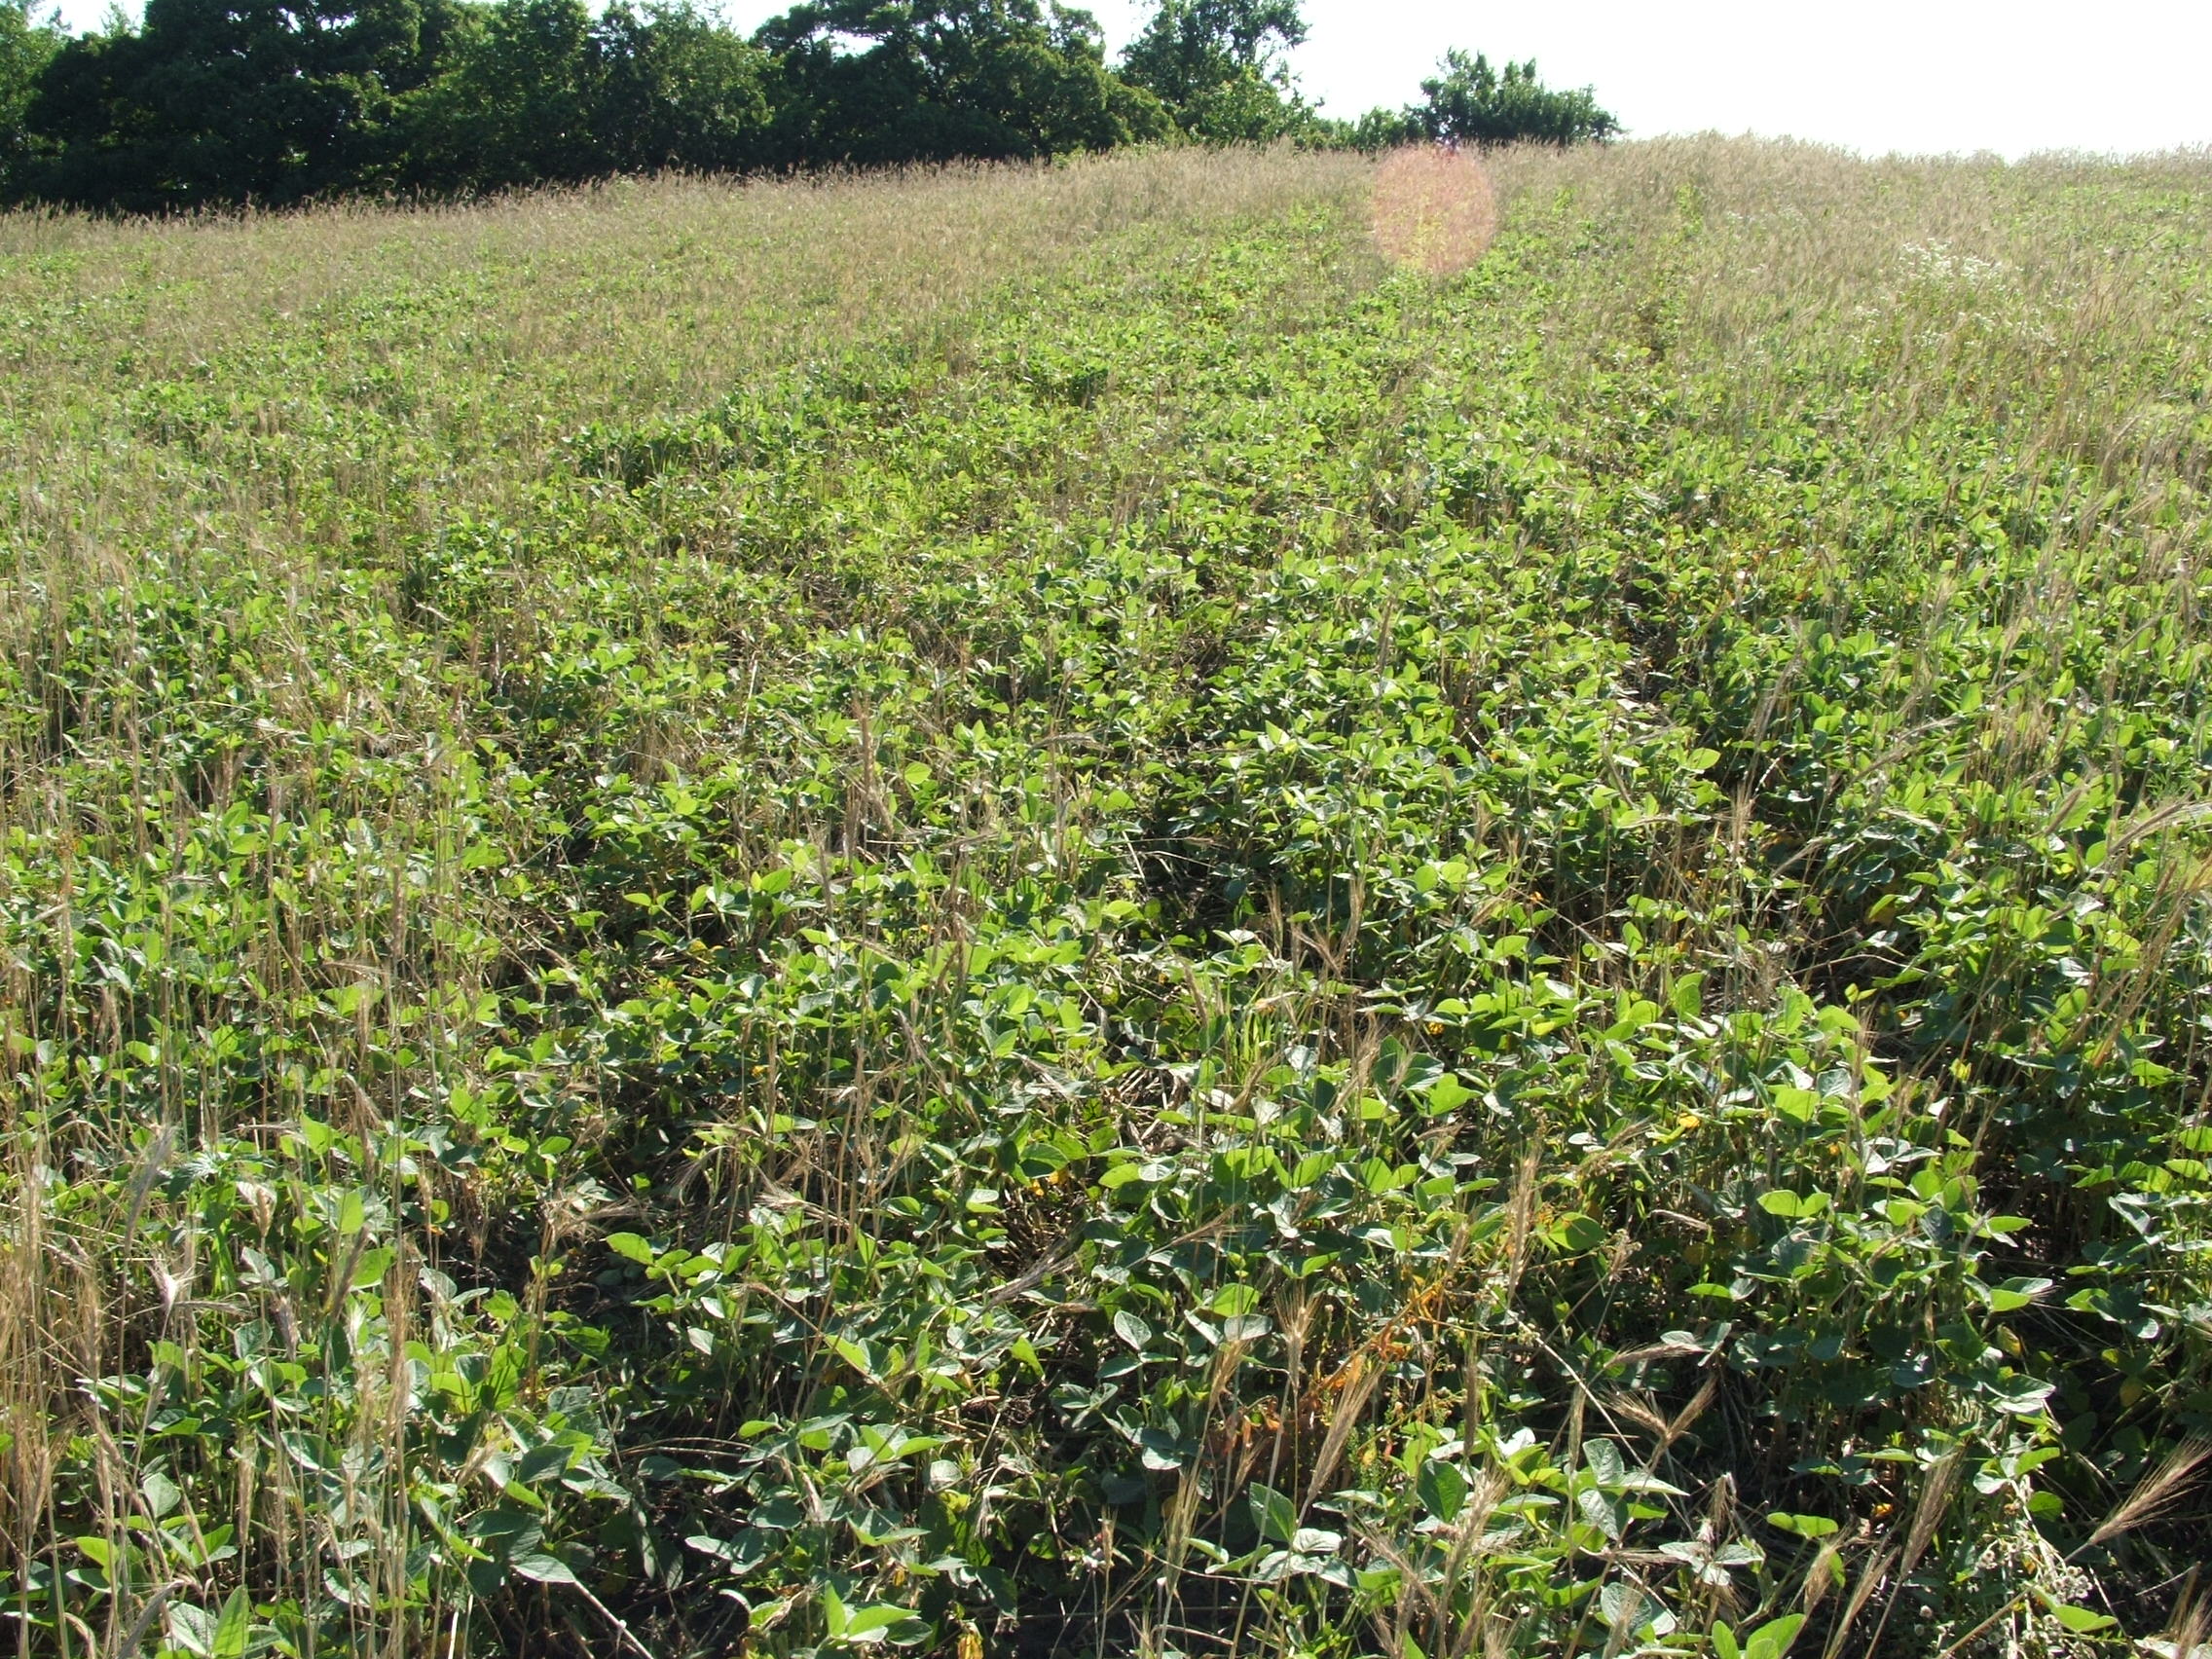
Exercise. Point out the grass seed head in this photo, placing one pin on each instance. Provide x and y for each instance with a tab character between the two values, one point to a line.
1434	208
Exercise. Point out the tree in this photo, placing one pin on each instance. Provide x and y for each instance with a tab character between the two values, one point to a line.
540	91
230	101
938	79
1468	102
26	48
1218	68
678	89
512	103
1380	128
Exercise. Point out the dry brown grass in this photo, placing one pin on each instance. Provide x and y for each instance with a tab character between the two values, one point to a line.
482	335
306	395
1433	209
399	368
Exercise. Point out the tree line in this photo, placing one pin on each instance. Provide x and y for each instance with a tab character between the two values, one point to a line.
220	102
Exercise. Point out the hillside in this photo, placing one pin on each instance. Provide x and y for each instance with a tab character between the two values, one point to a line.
1024	911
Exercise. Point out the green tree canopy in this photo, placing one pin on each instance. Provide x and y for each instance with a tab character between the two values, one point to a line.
927	80
26	46
1469	102
277	101
1218	68
542	91
232	101
678	89
514	100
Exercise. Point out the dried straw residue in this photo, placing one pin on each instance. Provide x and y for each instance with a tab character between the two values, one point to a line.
1434	208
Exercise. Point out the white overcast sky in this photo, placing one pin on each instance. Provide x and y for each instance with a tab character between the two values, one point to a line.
2012	76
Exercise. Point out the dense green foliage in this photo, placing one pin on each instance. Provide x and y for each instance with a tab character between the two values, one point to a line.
261	101
214	102
1469	102
1217	65
218	102
1230	953
544	91
940	78
25	47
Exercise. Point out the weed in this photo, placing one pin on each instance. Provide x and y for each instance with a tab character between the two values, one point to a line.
1026	911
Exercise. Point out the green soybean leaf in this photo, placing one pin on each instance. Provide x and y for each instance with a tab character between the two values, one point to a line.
1442	1489
1804	1526
1772	1639
541	1569
1272	1513
2082	1621
233	1626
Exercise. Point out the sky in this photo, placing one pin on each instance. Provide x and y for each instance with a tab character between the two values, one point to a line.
2012	76
1918	75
